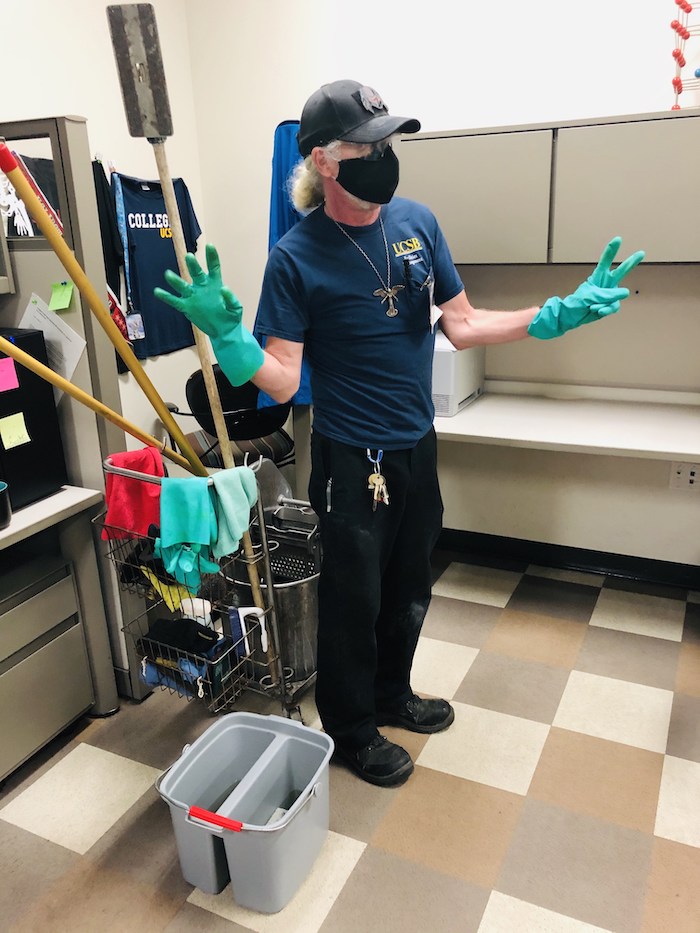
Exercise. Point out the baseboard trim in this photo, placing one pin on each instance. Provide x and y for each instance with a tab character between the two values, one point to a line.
570	558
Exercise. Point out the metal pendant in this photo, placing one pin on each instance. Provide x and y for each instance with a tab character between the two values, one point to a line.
388	294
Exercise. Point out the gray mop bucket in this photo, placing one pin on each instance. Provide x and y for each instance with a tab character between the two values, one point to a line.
296	608
249	801
295	560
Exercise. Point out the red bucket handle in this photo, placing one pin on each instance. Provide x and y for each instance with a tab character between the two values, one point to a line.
198	813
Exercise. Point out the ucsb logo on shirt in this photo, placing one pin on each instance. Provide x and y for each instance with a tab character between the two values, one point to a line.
151	222
403	247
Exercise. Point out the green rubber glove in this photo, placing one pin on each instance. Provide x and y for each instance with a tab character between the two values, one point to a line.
216	311
238	353
596	298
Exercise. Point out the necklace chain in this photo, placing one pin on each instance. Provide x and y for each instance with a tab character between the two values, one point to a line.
386	292
354	242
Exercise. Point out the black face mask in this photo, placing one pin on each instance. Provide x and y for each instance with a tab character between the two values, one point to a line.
372	180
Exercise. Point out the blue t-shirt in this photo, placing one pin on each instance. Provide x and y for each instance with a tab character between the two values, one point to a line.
371	374
146	234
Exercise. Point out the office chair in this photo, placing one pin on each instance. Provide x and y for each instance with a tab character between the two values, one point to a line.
252	430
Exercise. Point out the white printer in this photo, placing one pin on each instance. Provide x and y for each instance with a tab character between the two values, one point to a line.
458	376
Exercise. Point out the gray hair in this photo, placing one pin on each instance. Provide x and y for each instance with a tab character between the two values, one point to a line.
305	184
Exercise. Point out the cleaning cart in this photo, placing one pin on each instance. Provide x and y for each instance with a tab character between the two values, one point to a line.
210	642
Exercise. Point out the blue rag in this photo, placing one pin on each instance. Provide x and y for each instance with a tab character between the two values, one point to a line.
235	493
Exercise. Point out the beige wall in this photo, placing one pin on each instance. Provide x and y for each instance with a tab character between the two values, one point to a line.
236	68
613	504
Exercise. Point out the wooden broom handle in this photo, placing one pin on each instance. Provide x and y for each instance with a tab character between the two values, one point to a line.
202	343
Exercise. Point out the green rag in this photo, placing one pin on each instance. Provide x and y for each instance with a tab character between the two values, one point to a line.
235	493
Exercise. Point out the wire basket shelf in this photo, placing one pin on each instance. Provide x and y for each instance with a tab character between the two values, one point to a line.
210	657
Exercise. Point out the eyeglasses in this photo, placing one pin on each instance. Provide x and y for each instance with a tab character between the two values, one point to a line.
378	150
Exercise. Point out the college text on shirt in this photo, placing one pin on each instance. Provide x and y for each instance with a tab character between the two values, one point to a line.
145	221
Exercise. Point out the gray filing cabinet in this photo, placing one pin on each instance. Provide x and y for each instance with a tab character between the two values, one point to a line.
87	439
45	680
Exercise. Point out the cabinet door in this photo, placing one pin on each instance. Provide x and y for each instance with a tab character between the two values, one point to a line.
489	193
41	695
635	180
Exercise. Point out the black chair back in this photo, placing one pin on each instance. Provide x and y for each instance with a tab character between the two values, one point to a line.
244	420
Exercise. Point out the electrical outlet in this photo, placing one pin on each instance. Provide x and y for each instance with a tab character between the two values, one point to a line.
685	476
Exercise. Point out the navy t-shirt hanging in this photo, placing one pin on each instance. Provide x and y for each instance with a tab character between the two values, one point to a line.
148	252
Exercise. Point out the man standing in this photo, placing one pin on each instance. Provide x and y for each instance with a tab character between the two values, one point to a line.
362	310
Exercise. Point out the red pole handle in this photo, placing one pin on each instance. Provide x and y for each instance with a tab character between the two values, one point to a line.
7	160
200	814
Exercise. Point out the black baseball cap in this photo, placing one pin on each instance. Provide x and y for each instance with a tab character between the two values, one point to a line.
349	111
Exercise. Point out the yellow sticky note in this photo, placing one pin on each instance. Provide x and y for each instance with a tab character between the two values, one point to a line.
13	431
61	294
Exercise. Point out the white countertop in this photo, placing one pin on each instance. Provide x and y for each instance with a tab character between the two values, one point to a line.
613	428
37	516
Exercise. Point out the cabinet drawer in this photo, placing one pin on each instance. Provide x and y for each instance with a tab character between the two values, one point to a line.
36	616
41	695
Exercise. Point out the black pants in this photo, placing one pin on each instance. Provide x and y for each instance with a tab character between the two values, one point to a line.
374	588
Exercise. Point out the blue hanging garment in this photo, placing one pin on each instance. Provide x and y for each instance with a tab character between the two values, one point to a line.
283	216
285	156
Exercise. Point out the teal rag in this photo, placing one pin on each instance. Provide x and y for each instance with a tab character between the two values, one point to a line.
186	512
235	493
186	562
188	527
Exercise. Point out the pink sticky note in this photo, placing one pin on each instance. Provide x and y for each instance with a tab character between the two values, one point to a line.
8	374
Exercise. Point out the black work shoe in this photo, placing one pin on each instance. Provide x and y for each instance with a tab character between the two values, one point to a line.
418	715
381	762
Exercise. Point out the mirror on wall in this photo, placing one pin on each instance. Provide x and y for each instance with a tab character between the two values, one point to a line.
35	158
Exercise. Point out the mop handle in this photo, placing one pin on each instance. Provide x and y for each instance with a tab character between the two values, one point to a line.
202	344
8	165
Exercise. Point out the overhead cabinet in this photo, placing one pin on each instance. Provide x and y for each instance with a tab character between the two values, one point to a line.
490	193
637	180
558	193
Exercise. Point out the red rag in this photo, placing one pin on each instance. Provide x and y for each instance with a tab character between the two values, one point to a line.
133	504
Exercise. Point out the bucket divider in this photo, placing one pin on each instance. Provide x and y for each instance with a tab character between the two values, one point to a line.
283	779
242	790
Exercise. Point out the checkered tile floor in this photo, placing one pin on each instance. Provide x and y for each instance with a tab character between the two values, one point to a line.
564	799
